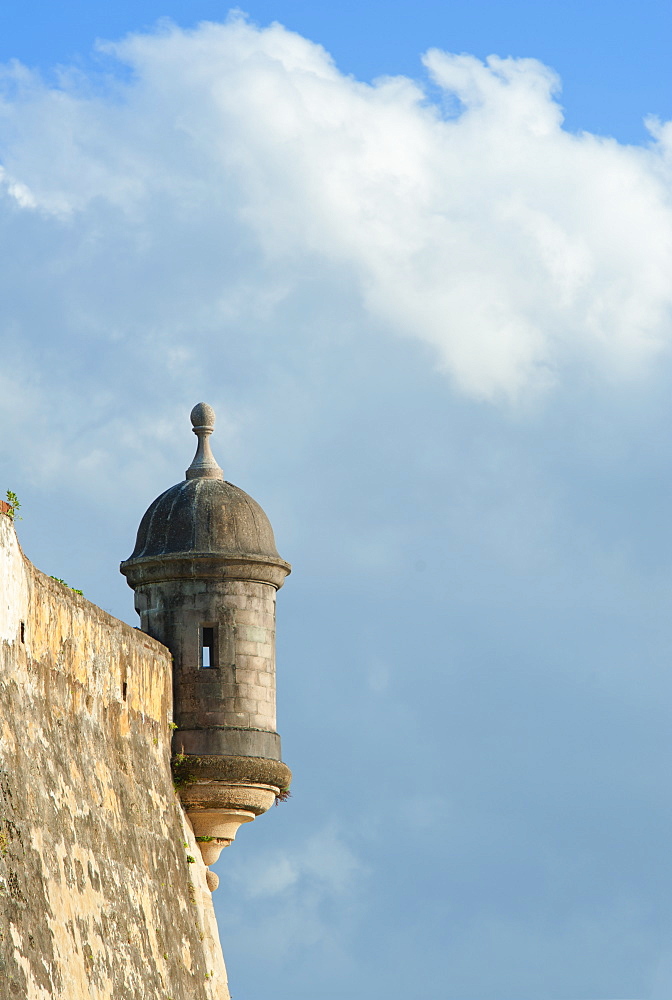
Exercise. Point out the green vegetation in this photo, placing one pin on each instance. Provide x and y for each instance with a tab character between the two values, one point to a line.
14	506
181	774
283	795
73	589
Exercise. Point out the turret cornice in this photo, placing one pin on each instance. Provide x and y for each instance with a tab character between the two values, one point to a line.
205	566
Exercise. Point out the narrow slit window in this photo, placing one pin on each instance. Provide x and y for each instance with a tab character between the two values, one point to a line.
207	646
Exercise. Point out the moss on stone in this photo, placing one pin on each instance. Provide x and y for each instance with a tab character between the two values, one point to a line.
188	768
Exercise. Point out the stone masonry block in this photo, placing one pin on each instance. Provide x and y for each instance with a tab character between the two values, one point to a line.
246	705
229	690
263	720
260	619
239	602
247	677
247	648
246	617
252	633
239	719
258	663
251	691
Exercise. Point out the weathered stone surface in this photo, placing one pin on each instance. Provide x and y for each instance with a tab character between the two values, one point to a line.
103	891
212	880
244	770
238	691
205	572
205	515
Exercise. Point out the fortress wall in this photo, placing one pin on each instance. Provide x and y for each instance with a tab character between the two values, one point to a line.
98	896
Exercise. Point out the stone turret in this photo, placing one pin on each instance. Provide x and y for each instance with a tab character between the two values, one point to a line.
205	572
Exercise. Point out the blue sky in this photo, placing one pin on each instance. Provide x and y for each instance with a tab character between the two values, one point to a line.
613	57
434	318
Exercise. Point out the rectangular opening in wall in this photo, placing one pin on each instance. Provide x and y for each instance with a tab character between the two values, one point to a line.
208	656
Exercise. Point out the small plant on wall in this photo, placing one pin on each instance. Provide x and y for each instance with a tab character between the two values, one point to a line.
14	504
58	580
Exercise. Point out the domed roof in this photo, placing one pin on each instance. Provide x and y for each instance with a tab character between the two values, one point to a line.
204	514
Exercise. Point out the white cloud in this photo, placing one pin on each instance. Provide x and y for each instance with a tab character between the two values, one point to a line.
208	223
235	160
322	865
304	896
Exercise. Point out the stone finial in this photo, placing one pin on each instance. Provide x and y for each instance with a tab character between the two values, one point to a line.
204	465
211	879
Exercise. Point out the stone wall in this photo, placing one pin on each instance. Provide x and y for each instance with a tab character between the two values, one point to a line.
240	693
229	709
102	886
